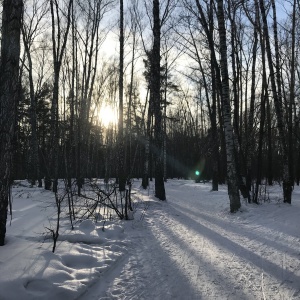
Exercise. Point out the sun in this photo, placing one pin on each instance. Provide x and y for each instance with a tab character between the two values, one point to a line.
108	116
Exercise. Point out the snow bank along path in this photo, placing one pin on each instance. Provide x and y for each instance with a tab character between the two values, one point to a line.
188	247
191	247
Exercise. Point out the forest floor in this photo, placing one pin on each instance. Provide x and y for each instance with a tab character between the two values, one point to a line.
188	247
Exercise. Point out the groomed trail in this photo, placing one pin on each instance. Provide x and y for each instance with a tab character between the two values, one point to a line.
191	247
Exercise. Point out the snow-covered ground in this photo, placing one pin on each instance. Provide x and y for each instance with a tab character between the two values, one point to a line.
188	247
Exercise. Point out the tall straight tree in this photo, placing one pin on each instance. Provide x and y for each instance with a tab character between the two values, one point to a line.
276	91
249	151
9	87
208	26
59	43
155	90
30	30
292	98
121	89
232	178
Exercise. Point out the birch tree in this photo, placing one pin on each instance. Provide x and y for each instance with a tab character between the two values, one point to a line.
232	178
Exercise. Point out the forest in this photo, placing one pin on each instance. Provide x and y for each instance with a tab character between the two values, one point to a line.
204	90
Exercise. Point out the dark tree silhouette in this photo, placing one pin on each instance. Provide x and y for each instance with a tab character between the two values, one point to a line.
9	87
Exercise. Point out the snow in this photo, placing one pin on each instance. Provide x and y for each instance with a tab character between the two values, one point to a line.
188	247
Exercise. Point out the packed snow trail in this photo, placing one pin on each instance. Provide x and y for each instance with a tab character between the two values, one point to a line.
190	247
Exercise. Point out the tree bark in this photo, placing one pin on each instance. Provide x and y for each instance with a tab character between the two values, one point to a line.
249	130
292	100
58	51
122	179
28	32
9	87
155	90
232	178
145	177
287	184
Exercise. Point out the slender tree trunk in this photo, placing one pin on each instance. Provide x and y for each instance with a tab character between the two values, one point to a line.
235	79
71	159
250	137
212	105
292	100
232	178
213	115
28	33
90	63
122	179
34	153
216	142
58	51
264	96
298	166
145	179
270	145
155	90
9	87
215	66
130	104
287	184
165	119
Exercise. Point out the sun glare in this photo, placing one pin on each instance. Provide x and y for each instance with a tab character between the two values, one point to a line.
108	116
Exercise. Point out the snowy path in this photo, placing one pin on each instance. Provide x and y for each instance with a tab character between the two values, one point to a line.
190	247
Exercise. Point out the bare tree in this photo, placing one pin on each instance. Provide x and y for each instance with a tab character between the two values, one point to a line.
31	27
249	151
276	91
59	42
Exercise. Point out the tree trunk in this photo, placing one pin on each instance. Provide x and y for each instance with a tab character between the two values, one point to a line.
264	96
235	79
249	131
287	184
130	102
155	90
213	110
34	165
232	178
214	132
122	179
270	152
219	164
58	52
292	100
145	179
9	87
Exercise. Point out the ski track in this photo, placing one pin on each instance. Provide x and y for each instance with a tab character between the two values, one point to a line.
183	249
